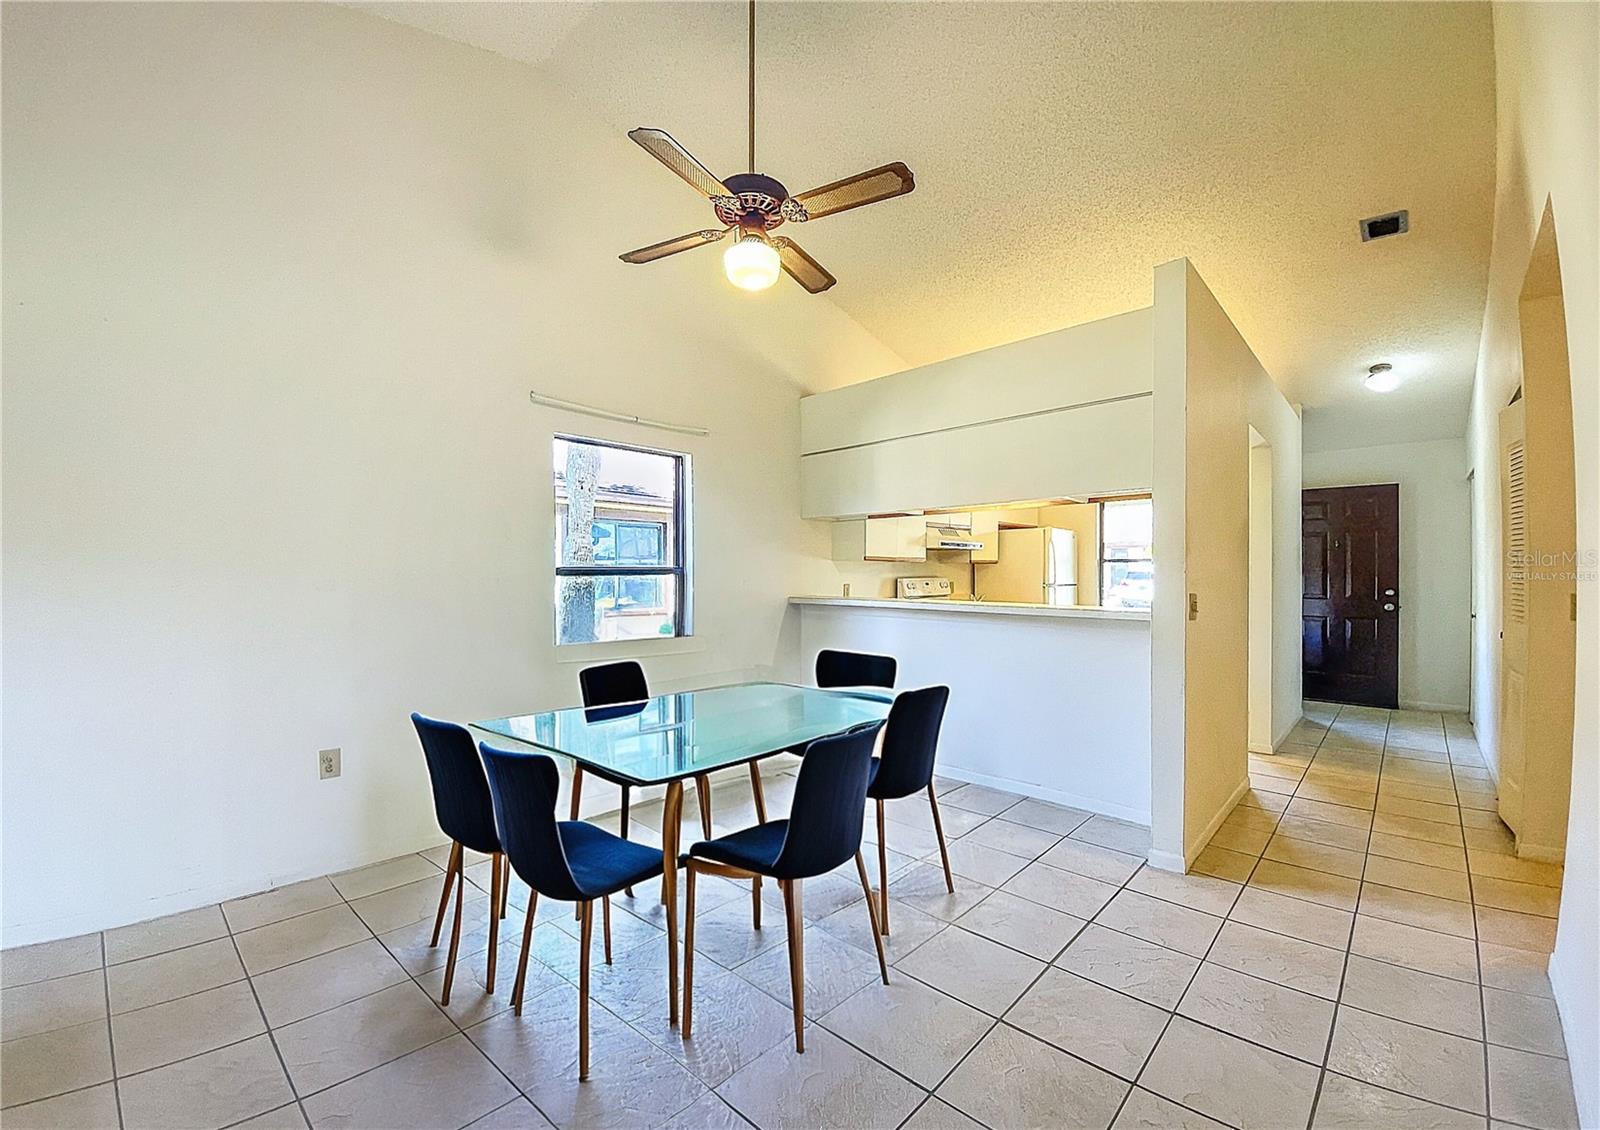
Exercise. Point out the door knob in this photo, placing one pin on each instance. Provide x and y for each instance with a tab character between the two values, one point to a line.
1388	608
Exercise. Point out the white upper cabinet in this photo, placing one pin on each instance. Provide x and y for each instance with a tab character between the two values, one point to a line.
881	539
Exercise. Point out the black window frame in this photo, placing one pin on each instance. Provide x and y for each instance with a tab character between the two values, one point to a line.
1100	549
680	540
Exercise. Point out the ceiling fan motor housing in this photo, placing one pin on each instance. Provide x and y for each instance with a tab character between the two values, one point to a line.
755	201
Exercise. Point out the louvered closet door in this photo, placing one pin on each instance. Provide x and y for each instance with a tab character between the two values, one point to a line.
1513	610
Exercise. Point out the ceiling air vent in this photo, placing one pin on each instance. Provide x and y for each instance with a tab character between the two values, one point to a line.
1394	223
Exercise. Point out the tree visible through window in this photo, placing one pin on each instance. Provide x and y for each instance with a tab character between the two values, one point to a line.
620	542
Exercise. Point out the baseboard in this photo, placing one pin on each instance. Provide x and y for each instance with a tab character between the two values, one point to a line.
1165	861
101	918
1434	707
1574	1008
1257	747
1041	792
1198	844
1541	853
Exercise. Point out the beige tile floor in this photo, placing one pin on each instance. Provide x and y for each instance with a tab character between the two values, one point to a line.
1357	948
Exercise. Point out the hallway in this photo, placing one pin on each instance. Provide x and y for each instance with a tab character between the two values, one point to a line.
1379	876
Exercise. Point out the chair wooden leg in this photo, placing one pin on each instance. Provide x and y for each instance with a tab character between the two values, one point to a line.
577	796
627	795
444	898
522	961
496	879
755	902
797	958
760	796
455	936
688	952
702	792
944	852
605	913
586	936
671	825
872	915
883	875
505	883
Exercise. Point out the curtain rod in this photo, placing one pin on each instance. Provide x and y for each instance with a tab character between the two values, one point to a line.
607	414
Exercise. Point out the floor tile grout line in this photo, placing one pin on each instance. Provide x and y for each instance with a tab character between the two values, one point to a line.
997	1021
1344	968
459	1031
271	1035
1172	1013
1477	955
111	1040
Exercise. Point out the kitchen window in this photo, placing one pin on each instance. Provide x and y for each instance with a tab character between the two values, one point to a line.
621	541
1127	573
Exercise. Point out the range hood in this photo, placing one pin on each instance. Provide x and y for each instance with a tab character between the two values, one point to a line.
946	537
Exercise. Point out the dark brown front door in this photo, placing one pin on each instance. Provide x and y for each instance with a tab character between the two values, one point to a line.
1351	561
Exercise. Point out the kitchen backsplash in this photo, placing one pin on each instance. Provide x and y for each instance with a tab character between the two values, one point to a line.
875	579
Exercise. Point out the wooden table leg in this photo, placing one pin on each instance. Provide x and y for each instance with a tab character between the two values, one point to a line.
671	828
755	788
761	818
702	792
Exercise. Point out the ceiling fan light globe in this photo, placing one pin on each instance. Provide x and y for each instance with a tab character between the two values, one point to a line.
751	264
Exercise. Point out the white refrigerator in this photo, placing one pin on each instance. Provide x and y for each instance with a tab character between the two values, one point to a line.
1035	567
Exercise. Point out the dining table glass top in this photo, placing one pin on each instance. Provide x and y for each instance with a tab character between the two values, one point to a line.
673	736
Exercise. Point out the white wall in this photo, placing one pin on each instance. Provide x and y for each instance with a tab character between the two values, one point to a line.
1262	625
1547	89
1053	708
1210	391
1435	573
278	280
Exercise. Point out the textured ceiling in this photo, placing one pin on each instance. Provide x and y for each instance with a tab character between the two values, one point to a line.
1062	150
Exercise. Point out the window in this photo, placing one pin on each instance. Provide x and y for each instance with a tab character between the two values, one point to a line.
621	542
1127	576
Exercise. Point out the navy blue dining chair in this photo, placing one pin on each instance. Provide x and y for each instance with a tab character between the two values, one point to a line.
465	811
623	683
822	832
854	669
904	767
566	860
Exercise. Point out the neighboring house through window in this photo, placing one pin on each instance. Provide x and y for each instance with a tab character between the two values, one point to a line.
1127	531
621	541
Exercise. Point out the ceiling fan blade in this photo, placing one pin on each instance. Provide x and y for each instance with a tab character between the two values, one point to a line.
673	246
801	267
882	183
661	145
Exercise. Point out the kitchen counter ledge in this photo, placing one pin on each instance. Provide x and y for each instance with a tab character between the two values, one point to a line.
977	607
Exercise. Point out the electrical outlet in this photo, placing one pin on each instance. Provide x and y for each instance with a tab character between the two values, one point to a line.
328	763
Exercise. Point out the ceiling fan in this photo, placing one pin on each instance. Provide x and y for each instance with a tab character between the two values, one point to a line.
753	205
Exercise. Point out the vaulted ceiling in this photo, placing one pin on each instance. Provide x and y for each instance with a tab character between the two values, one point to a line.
1062	150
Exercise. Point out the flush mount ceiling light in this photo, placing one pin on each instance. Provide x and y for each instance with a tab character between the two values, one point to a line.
752	205
1382	378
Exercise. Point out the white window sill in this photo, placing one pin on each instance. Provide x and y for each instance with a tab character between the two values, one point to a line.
628	649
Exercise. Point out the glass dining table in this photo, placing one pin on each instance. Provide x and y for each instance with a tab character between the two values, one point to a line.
669	738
